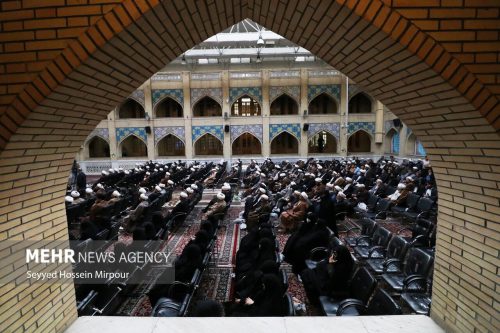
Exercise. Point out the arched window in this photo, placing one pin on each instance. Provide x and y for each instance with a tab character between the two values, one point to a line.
208	145
207	107
359	142
392	142
285	143
168	108
245	106
411	144
171	145
133	147
419	148
131	109
246	144
360	103
98	148
284	105
323	104
322	143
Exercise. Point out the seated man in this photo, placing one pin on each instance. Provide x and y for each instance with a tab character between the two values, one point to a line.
76	197
291	218
135	215
262	208
216	208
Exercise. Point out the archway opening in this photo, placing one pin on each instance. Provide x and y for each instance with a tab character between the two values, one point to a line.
285	143
392	142
246	144
98	148
207	107
131	109
322	143
171	145
133	147
360	103
168	108
359	142
245	106
208	145
283	106
323	104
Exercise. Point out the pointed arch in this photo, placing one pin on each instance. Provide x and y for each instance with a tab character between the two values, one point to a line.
207	107
411	144
322	142
360	103
246	106
131	109
285	143
391	142
208	144
168	108
246	144
284	105
133	146
170	145
359	142
97	147
323	103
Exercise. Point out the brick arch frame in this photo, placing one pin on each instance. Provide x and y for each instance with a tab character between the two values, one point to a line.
374	44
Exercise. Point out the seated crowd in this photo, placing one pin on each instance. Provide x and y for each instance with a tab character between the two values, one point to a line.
309	201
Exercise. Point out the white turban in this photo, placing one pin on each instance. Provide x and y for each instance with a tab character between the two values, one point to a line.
341	194
189	190
99	185
262	174
338	188
88	190
226	188
161	185
104	173
362	171
158	188
348	179
296	192
262	190
320	167
221	196
401	186
170	182
264	197
116	194
68	199
184	195
318	180
304	195
142	190
293	183
329	185
282	174
167	174
126	172
194	186
75	194
360	185
148	173
144	197
226	184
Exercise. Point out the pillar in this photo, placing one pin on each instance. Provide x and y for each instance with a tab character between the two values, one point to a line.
226	110
303	106
344	116
148	108
188	115
266	112
114	153
403	136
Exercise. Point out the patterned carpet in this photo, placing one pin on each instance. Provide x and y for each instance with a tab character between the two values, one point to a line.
216	282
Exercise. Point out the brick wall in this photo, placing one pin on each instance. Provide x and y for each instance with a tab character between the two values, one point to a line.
56	93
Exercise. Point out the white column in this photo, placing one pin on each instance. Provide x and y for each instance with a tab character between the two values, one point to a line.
344	101
148	108
188	114
403	135
114	152
266	111
303	106
226	109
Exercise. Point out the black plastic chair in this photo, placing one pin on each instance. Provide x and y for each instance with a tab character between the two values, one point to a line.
422	210
368	227
379	239
410	204
396	248
416	294
361	288
383	205
381	304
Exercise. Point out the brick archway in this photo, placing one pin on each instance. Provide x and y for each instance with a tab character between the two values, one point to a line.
70	84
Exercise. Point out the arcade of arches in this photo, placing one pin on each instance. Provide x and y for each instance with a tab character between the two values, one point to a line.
285	144
322	143
132	146
245	106
432	65
168	108
131	109
323	104
208	145
207	107
171	145
98	148
284	106
246	144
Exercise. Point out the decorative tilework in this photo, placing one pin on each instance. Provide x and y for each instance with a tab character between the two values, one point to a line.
388	125
138	96
124	132
395	144
315	90
420	149
276	91
353	90
237	92
355	126
197	94
237	130
160	94
161	132
332	128
103	133
276	129
216	130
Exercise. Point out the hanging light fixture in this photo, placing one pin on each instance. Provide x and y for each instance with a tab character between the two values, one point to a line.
260	41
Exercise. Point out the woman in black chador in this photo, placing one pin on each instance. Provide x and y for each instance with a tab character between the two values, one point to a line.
330	277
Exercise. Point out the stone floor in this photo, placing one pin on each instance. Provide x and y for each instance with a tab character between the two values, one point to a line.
379	324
